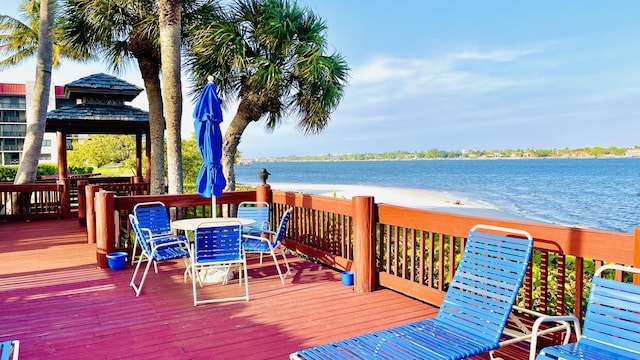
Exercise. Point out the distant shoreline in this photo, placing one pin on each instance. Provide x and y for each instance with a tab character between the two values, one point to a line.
268	160
596	152
412	198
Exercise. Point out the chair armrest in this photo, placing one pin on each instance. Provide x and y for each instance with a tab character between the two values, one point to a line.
270	232
155	239
247	236
536	332
157	243
521	332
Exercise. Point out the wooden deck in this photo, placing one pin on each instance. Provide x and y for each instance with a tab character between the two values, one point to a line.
61	306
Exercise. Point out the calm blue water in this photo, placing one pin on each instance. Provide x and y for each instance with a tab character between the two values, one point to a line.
594	193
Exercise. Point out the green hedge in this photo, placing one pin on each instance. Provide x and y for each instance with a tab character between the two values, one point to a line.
8	173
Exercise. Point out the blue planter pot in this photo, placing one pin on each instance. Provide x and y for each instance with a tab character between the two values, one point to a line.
347	278
117	260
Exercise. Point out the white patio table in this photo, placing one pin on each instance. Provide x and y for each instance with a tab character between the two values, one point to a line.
193	223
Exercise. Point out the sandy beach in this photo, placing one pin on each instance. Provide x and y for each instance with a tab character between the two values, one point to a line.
413	198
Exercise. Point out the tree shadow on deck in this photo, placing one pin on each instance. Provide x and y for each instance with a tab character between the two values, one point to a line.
60	305
67	312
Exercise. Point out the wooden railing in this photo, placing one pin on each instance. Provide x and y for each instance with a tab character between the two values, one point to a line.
416	250
413	251
30	202
109	228
75	188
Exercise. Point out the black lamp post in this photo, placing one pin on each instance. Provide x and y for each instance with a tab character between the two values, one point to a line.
263	175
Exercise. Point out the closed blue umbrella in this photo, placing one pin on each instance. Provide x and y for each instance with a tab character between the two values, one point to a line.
208	116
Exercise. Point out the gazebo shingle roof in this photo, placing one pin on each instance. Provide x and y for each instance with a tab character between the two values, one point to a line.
98	119
102	84
100	108
104	112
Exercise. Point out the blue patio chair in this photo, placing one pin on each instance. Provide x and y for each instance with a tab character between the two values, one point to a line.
472	316
267	243
153	216
9	349
611	327
218	248
154	250
255	210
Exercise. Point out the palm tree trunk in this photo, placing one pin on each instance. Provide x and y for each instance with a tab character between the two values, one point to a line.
37	118
172	87
150	71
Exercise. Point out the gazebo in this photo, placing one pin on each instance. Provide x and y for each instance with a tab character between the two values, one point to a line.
100	109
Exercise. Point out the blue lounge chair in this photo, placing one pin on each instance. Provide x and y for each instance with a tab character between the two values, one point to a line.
611	326
9	349
155	249
472	316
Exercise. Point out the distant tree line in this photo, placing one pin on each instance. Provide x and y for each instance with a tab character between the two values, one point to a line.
587	152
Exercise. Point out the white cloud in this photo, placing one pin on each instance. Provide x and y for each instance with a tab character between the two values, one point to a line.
499	55
387	79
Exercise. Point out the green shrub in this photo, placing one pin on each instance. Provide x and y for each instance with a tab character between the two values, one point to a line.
80	170
8	173
46	169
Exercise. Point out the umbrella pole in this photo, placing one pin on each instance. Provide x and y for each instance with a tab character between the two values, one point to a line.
213	207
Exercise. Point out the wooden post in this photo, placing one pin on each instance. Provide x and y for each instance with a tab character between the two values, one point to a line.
636	253
263	193
105	230
148	157
82	202
90	192
61	138
63	179
65	197
364	245
139	156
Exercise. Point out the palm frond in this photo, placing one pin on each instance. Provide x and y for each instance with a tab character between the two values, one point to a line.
271	53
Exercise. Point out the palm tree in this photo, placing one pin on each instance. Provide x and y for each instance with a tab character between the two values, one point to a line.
38	117
271	54
19	39
123	30
170	40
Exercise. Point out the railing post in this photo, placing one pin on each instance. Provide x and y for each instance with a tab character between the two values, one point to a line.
105	229
636	253
82	203
263	193
364	244
65	197
90	193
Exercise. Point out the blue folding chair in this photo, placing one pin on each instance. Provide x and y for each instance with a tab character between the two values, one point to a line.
268	241
155	249
472	316
154	217
9	349
611	326
218	248
255	210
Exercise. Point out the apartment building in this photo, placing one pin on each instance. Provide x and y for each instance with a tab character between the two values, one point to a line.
15	100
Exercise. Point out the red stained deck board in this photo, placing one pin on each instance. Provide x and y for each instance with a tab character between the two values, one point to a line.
61	306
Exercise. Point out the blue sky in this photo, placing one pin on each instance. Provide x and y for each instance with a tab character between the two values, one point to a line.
459	75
